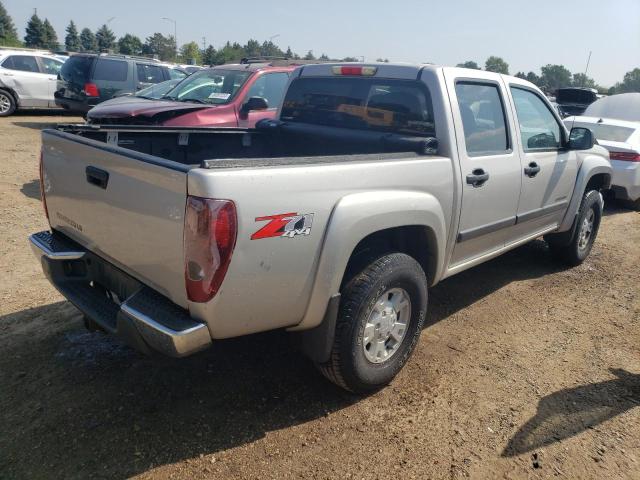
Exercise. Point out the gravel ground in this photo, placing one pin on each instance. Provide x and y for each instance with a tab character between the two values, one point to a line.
525	370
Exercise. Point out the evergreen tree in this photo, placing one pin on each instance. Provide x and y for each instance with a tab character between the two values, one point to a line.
88	41
163	47
50	35
209	56
309	55
105	38
72	40
130	45
36	36
8	33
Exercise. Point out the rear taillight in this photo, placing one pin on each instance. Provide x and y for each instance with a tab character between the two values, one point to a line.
625	156
42	190
354	70
91	90
210	229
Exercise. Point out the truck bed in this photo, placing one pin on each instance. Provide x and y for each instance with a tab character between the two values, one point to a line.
272	145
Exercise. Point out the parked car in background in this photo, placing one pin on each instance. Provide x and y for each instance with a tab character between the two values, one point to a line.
235	95
86	80
574	100
27	79
615	122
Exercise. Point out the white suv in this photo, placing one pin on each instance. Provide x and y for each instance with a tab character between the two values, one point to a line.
27	80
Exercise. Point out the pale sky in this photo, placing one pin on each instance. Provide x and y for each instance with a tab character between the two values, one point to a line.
526	33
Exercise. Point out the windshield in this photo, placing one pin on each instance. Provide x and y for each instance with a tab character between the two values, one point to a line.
362	103
209	86
158	90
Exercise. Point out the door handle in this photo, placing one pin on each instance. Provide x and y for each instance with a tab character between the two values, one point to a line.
478	177
532	170
97	176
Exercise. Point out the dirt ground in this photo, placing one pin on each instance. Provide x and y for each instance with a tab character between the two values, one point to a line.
525	370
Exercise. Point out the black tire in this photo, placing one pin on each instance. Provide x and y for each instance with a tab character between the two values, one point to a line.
348	367
7	103
574	250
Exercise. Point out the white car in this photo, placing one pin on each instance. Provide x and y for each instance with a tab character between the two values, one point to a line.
615	122
27	80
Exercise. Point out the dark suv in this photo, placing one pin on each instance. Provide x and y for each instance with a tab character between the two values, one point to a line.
86	80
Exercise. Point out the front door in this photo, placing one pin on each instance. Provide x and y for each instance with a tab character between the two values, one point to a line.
489	164
549	171
269	86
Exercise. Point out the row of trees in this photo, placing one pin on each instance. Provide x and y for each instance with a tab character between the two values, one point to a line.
552	77
41	34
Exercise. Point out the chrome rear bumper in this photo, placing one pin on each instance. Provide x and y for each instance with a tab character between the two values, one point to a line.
144	319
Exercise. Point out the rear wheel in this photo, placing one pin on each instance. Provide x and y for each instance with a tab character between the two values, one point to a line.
7	103
574	250
381	316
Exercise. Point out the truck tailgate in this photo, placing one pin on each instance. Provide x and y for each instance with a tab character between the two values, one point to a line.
126	207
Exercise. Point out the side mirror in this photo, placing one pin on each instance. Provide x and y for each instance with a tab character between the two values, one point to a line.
581	139
254	103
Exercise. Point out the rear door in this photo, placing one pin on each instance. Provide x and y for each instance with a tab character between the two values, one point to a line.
549	170
126	207
50	67
22	73
489	163
147	75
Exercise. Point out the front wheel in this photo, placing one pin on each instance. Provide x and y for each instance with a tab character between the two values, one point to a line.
382	312
576	249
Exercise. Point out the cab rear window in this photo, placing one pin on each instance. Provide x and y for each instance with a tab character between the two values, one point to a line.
397	106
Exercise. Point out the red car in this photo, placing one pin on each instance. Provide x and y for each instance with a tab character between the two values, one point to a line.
236	95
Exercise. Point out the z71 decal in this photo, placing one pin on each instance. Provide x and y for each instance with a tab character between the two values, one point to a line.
286	225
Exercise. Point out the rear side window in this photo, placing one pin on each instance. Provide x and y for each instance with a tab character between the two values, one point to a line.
22	63
400	106
149	73
77	69
51	66
539	129
483	119
110	70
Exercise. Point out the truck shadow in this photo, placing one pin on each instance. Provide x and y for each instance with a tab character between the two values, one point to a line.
89	405
531	260
31	189
571	411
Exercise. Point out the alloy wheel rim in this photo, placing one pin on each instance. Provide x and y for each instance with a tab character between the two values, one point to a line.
5	103
387	325
586	230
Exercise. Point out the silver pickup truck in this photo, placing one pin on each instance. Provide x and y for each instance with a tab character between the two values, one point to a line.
375	183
